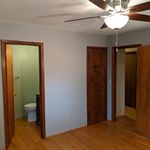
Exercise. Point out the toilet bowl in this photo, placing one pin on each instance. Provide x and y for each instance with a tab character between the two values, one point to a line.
30	108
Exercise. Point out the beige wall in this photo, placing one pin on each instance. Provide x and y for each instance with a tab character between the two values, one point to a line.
120	95
130	49
121	80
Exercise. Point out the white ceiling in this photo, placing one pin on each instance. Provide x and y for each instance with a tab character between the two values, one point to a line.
53	13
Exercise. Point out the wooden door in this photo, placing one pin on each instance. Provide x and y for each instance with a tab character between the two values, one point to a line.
96	84
10	93
130	79
143	91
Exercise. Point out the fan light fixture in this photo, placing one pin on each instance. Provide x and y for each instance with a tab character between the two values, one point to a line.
116	21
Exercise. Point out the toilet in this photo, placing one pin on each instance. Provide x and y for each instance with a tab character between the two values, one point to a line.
30	108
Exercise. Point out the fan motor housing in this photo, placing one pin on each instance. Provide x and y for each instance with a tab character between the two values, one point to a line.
123	4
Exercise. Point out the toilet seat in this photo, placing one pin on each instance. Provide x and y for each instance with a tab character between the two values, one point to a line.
30	105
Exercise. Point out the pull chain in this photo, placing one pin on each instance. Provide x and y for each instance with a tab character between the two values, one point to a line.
120	3
117	39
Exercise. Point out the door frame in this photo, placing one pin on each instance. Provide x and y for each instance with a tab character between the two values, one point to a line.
88	47
42	83
114	75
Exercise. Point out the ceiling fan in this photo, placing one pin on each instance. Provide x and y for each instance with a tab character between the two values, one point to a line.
118	13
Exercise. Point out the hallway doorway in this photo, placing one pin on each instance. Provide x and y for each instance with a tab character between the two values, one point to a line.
124	87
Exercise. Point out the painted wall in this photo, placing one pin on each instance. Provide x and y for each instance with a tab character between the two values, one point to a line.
130	49
65	72
136	37
17	85
26	67
2	136
120	89
109	89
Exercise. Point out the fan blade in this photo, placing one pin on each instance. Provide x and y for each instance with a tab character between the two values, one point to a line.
139	17
140	7
101	4
128	1
103	26
81	19
71	4
54	15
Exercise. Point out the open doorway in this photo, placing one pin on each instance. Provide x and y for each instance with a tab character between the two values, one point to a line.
141	124
126	88
23	86
124	78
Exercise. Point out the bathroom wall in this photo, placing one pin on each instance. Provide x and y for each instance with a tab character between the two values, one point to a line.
26	76
17	84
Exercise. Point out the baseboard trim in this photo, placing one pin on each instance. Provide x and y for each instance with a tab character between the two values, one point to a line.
67	131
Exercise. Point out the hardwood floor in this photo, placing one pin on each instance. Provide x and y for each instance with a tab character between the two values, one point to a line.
103	136
126	123
130	112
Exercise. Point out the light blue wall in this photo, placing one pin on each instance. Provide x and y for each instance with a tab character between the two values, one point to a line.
134	37
2	136
65	70
26	76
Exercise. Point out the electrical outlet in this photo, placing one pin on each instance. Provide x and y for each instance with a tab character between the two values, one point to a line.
68	117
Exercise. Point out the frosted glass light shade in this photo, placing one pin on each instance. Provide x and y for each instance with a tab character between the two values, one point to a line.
116	21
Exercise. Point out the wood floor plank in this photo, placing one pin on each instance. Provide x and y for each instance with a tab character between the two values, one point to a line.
127	123
102	136
68	141
130	112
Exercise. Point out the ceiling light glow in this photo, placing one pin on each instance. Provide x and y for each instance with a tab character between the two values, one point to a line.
116	21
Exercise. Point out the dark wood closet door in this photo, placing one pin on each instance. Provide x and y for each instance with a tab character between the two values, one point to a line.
96	84
143	91
130	79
